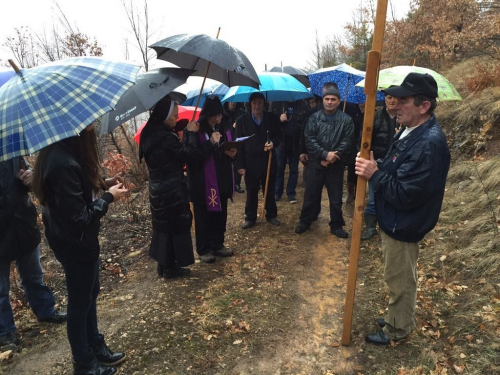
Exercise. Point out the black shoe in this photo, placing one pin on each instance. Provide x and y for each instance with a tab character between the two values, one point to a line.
239	189
248	224
292	200
224	252
380	322
207	258
92	368
9	339
378	338
175	273
339	232
274	221
55	318
301	228
104	354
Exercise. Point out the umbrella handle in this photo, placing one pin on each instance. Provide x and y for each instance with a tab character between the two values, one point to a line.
203	83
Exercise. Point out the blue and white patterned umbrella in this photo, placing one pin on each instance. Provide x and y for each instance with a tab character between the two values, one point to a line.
43	105
346	78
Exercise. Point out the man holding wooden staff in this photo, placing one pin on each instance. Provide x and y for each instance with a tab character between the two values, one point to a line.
409	185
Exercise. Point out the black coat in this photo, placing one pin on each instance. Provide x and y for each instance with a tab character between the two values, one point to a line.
165	157
251	154
19	233
71	216
322	137
223	166
291	129
383	133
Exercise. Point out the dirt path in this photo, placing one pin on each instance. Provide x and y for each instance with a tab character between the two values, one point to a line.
274	308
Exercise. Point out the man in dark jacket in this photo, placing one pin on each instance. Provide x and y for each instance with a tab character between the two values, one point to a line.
211	182
384	125
253	154
409	185
232	112
19	239
329	135
288	150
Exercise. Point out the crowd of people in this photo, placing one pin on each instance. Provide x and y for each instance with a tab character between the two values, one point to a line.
204	164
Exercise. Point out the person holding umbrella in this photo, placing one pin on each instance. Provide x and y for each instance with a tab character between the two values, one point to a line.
211	182
165	156
66	181
252	160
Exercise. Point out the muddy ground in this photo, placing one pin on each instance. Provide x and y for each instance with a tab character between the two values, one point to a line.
276	307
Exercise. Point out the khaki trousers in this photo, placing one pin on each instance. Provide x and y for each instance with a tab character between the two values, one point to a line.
400	275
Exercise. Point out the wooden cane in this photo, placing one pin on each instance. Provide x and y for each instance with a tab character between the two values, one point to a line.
267	182
371	82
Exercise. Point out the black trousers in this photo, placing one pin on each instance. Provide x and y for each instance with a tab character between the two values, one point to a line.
253	186
237	178
209	227
333	179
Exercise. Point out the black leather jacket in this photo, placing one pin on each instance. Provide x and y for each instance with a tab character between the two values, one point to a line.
322	137
19	233
71	216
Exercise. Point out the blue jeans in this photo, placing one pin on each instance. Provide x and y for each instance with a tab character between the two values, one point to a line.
370	207
292	159
39	295
82	282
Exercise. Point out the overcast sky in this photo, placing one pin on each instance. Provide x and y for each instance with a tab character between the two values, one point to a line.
268	32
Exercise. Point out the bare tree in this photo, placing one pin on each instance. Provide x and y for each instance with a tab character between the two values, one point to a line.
140	25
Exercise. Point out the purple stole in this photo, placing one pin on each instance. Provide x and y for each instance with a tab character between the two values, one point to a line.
212	197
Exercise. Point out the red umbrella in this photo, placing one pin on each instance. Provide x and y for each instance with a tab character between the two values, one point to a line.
185	112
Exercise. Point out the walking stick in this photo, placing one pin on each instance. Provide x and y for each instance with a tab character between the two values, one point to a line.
372	68
267	183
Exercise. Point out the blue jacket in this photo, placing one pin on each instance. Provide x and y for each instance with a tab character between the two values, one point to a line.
409	184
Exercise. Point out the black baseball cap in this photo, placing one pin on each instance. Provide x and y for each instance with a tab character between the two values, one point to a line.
413	84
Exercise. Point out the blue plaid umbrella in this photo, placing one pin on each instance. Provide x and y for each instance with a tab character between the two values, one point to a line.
346	78
43	105
276	87
5	75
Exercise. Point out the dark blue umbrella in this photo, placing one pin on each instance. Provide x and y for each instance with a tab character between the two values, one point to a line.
276	87
51	102
346	78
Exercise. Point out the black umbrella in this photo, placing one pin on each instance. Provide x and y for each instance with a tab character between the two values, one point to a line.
299	74
150	87
227	64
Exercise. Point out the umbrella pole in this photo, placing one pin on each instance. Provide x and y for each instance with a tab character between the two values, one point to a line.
203	84
372	68
16	69
346	91
267	183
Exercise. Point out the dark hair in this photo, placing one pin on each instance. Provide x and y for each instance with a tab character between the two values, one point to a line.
419	99
84	148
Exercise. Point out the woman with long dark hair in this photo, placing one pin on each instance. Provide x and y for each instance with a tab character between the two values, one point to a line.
165	155
66	181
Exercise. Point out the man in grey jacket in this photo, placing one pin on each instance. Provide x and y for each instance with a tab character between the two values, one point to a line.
328	137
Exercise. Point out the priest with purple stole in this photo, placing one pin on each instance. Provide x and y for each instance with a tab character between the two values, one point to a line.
211	182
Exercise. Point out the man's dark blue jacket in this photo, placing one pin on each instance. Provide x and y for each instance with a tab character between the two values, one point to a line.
409	184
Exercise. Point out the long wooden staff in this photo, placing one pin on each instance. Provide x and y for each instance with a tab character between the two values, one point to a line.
203	84
267	182
371	82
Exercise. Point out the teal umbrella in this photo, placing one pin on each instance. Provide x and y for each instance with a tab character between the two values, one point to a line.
396	74
276	87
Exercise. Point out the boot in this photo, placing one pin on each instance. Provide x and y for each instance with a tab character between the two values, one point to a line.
104	355
92	368
351	193
370	227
